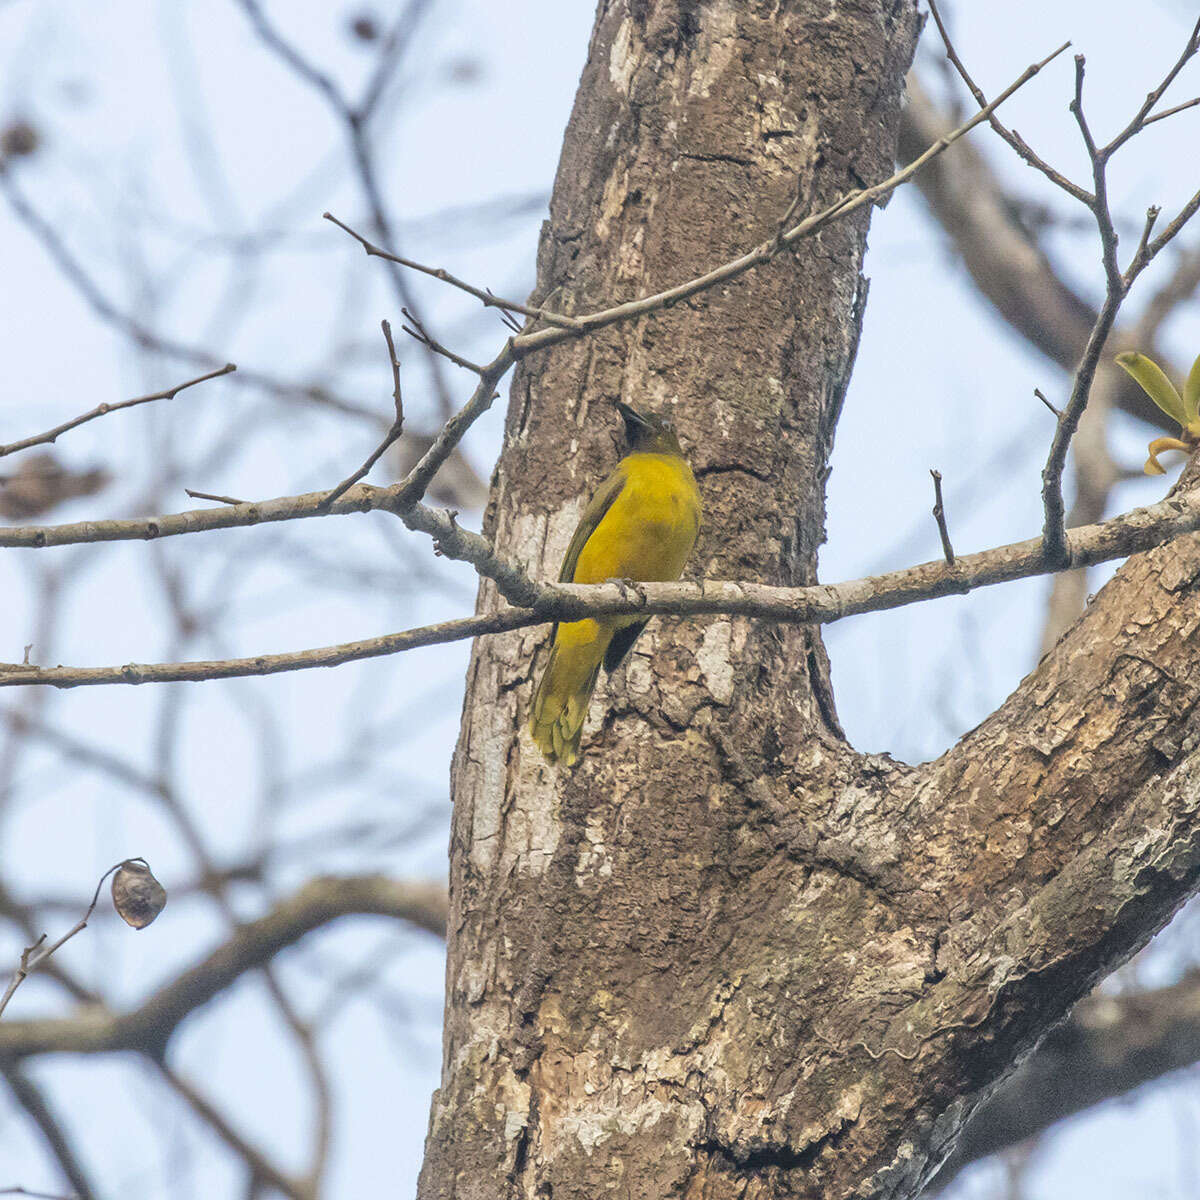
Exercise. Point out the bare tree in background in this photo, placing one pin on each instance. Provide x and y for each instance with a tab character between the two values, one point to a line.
728	955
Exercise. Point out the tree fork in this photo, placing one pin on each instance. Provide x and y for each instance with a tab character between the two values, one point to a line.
726	955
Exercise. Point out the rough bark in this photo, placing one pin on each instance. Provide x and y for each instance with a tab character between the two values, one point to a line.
726	955
1112	1045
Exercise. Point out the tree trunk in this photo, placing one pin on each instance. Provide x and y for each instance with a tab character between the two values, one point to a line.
726	955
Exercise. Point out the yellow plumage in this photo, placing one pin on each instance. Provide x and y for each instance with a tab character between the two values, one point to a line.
640	525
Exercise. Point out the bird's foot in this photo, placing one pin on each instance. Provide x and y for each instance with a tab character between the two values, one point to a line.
451	516
630	589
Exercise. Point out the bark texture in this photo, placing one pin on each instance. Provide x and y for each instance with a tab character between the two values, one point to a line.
726	955
1112	1045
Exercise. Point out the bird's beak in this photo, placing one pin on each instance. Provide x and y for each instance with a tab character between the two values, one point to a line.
633	419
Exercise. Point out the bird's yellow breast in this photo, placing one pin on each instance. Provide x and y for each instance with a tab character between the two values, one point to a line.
650	529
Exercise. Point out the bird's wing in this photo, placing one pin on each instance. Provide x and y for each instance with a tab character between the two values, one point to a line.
601	502
621	644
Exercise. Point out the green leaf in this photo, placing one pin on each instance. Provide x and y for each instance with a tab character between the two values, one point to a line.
1191	392
1156	385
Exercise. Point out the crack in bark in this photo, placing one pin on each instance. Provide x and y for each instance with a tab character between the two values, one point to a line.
725	158
706	471
756	1158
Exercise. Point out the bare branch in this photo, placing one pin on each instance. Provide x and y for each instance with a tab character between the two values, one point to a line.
1138	530
1054	533
483	295
397	392
402	497
1170	112
417	331
1142	254
1099	201
101	410
286	508
1142	117
1014	139
1185	214
1117	287
392	434
939	515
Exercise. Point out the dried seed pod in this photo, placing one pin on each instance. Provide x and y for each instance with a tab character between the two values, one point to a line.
137	896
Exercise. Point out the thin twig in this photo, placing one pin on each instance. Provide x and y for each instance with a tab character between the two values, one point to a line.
213	496
33	956
1142	117
1054	533
417	331
392	435
101	410
1099	202
939	515
1041	396
1185	214
1117	288
1014	139
397	393
507	317
530	342
483	295
1170	112
1142	254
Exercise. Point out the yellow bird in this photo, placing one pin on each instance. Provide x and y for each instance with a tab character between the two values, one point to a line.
641	525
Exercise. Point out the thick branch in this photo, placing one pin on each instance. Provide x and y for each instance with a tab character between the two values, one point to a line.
1111	1045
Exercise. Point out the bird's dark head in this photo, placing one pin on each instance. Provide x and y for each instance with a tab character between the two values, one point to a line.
647	432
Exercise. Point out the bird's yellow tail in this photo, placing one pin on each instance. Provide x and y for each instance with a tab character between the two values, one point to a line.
565	691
